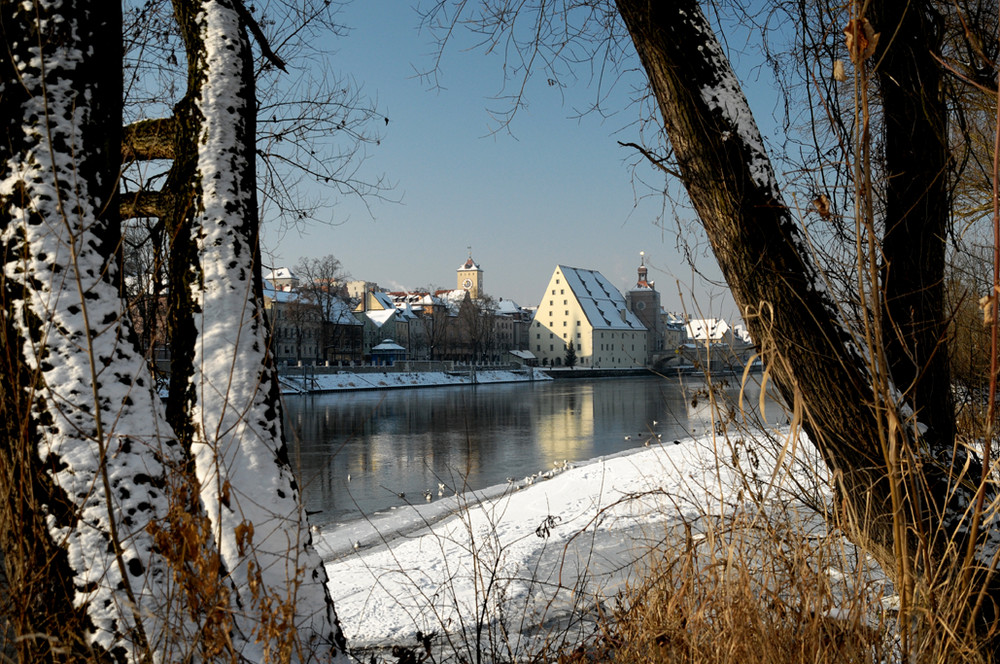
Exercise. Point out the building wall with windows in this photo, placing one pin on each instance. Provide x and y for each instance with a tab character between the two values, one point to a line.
582	307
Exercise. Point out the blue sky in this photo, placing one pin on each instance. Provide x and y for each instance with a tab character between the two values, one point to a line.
557	191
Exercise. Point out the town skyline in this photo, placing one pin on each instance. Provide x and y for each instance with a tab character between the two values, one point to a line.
497	292
553	187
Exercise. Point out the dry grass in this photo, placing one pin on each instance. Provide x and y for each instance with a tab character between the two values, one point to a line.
743	592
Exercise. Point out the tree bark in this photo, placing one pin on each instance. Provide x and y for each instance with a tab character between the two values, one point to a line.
149	139
224	390
143	204
86	449
917	206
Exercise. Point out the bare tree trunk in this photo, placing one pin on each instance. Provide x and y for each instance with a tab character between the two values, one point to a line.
224	389
915	116
906	489
86	450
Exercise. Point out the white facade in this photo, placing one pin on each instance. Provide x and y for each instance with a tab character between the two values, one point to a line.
582	307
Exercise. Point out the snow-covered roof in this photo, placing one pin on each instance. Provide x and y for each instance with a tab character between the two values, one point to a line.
742	333
278	295
384	300
280	273
507	308
341	314
453	299
470	265
387	345
601	302
523	354
381	317
711	329
415	301
405	312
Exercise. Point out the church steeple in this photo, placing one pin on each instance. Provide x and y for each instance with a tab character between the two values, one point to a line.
642	282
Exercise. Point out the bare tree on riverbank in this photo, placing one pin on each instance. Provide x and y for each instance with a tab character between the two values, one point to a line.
872	389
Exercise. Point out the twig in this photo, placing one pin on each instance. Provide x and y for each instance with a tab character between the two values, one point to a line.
258	34
653	159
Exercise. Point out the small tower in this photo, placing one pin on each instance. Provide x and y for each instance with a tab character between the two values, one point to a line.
644	301
470	277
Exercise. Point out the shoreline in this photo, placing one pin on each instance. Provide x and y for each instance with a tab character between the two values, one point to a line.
323	380
349	381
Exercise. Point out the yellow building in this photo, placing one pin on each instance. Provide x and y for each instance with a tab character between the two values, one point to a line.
470	278
583	308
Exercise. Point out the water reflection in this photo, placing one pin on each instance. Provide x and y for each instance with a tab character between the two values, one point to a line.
364	452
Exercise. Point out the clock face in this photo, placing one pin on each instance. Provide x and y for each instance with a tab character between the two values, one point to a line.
467	283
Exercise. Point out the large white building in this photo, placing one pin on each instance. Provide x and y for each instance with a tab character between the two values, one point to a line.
583	308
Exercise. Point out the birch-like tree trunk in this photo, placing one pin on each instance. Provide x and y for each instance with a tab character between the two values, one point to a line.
88	460
224	399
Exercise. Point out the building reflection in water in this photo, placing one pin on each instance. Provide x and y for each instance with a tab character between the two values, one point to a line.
398	444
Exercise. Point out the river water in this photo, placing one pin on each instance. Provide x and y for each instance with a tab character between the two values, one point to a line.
360	454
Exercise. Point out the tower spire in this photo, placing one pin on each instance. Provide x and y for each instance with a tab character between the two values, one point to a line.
643	273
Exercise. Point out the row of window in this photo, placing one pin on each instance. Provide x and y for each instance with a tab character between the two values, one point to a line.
552	347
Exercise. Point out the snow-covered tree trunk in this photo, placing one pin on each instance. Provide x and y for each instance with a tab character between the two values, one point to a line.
88	462
224	392
882	416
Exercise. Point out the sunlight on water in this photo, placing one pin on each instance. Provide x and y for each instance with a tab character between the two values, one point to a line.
404	446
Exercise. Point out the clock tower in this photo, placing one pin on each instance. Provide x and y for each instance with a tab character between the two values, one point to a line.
470	278
644	301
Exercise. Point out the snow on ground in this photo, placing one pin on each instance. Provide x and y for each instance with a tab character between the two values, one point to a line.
522	552
347	380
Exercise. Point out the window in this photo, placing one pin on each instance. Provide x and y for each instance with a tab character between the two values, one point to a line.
561	291
578	323
565	302
557	281
550	303
579	347
566	313
564	323
577	335
553	291
551	347
538	336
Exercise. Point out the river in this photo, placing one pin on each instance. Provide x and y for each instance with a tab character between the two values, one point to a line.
363	453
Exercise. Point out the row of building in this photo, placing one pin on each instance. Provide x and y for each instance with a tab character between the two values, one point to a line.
356	322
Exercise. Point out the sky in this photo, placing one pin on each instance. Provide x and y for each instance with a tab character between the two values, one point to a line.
555	189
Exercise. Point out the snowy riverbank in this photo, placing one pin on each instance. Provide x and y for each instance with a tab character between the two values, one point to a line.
347	380
526	554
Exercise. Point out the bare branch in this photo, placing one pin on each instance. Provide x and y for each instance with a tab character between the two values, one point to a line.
260	37
138	204
148	139
653	159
